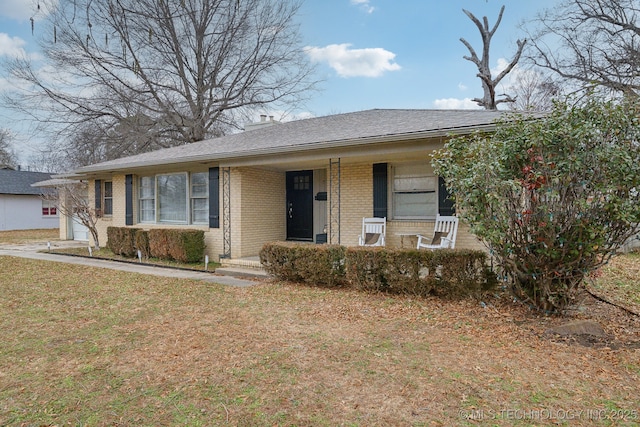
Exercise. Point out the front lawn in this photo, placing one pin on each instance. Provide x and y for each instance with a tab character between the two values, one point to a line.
27	236
97	347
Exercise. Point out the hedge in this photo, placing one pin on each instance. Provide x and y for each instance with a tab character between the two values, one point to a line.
314	264
174	244
450	273
121	240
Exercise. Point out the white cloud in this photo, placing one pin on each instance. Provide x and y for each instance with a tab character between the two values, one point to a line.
369	62
364	5
11	46
462	86
455	104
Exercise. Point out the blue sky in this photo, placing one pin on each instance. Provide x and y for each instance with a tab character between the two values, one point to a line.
370	53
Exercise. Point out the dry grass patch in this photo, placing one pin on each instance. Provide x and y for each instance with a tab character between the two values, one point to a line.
619	281
27	236
87	346
106	253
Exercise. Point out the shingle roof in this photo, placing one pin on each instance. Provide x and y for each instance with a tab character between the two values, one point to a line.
356	128
19	182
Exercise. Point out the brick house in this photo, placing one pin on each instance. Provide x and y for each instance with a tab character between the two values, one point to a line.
309	180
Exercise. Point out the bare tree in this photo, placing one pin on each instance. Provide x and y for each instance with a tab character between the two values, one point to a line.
533	91
147	74
7	155
489	83
591	43
71	200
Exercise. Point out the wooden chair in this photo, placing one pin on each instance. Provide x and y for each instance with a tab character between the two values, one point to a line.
373	232
444	234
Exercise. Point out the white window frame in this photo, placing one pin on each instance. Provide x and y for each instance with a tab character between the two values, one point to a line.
159	209
417	180
146	198
195	196
191	195
50	206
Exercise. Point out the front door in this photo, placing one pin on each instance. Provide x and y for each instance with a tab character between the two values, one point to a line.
300	205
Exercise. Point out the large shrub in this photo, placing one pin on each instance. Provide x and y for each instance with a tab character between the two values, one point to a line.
553	198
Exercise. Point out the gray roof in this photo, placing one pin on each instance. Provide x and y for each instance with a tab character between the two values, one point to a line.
19	182
341	130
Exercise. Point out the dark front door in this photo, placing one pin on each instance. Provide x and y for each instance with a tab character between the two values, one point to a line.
300	205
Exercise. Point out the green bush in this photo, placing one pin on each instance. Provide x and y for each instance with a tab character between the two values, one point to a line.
121	240
313	264
447	273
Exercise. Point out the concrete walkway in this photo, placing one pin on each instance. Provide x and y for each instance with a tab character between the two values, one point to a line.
35	251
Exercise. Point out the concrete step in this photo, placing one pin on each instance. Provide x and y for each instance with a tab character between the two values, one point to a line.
239	271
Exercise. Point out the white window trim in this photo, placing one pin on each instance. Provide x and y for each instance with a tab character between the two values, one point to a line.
188	199
186	196
140	199
392	195
192	198
48	204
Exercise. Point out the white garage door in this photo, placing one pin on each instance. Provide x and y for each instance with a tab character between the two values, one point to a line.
80	232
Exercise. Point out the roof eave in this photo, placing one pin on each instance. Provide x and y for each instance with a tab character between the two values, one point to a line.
209	158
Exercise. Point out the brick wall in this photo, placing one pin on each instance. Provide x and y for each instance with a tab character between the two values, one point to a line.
357	203
257	209
356	200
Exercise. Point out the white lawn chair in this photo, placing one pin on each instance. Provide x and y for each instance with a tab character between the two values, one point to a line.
444	234
373	232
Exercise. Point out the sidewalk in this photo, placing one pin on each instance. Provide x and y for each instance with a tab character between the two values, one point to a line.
35	251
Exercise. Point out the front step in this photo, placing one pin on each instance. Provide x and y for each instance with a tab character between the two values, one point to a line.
242	267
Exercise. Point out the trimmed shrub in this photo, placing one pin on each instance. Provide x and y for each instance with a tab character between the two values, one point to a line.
312	264
159	243
121	240
447	273
187	245
142	243
179	245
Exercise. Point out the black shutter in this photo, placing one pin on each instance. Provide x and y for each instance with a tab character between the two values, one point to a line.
214	197
380	190
128	195
446	205
98	201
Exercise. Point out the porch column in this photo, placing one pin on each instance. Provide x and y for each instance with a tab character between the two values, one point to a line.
334	201
226	212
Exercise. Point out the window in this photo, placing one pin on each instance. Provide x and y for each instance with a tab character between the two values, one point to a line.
172	198
200	198
49	208
415	191
147	199
176	198
107	200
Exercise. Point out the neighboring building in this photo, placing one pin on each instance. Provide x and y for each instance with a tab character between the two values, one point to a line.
21	205
309	180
